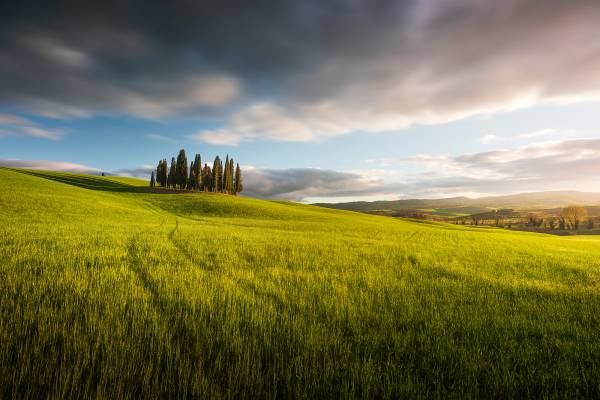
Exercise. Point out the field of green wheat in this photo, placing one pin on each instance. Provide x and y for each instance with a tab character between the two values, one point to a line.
108	290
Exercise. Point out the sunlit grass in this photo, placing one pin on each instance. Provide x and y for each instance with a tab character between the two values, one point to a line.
109	292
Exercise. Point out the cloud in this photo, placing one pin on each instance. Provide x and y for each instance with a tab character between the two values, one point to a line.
303	184
298	71
572	164
47	165
554	165
11	125
382	162
489	139
143	172
536	133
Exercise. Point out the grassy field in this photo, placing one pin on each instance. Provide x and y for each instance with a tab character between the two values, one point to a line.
109	290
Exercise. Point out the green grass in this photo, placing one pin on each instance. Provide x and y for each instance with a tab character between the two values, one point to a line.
113	291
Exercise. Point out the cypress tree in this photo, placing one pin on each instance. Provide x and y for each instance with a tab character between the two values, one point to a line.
159	172
228	179
226	175
181	175
164	173
239	186
172	179
191	179
198	172
220	176
217	175
232	177
206	178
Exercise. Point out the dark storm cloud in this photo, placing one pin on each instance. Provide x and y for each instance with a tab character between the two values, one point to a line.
297	70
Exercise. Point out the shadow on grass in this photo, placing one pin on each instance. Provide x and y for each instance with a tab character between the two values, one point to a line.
94	183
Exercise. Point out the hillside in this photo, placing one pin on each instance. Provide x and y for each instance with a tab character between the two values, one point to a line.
466	205
110	289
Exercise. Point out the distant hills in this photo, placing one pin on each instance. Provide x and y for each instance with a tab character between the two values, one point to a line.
454	206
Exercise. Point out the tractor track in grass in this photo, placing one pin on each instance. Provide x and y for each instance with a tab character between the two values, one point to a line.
135	264
410	237
171	313
248	287
203	264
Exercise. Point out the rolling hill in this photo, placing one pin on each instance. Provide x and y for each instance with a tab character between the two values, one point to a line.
109	289
466	205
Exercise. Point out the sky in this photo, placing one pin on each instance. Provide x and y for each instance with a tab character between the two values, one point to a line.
317	100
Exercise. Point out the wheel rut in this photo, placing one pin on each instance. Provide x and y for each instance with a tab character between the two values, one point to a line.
206	265
171	313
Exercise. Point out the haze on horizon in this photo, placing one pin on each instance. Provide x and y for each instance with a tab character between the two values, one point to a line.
319	101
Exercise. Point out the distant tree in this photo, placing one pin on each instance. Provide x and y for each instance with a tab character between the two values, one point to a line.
239	185
534	220
590	223
573	216
562	223
552	223
181	175
103	174
152	181
498	218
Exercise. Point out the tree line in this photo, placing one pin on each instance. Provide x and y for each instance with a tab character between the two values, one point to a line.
573	217
221	178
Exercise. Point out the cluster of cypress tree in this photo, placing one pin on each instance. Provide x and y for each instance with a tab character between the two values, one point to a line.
222	178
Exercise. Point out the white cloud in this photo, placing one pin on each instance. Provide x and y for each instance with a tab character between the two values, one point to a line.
536	133
566	164
572	164
47	165
489	139
7	119
142	171
556	165
382	162
11	125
